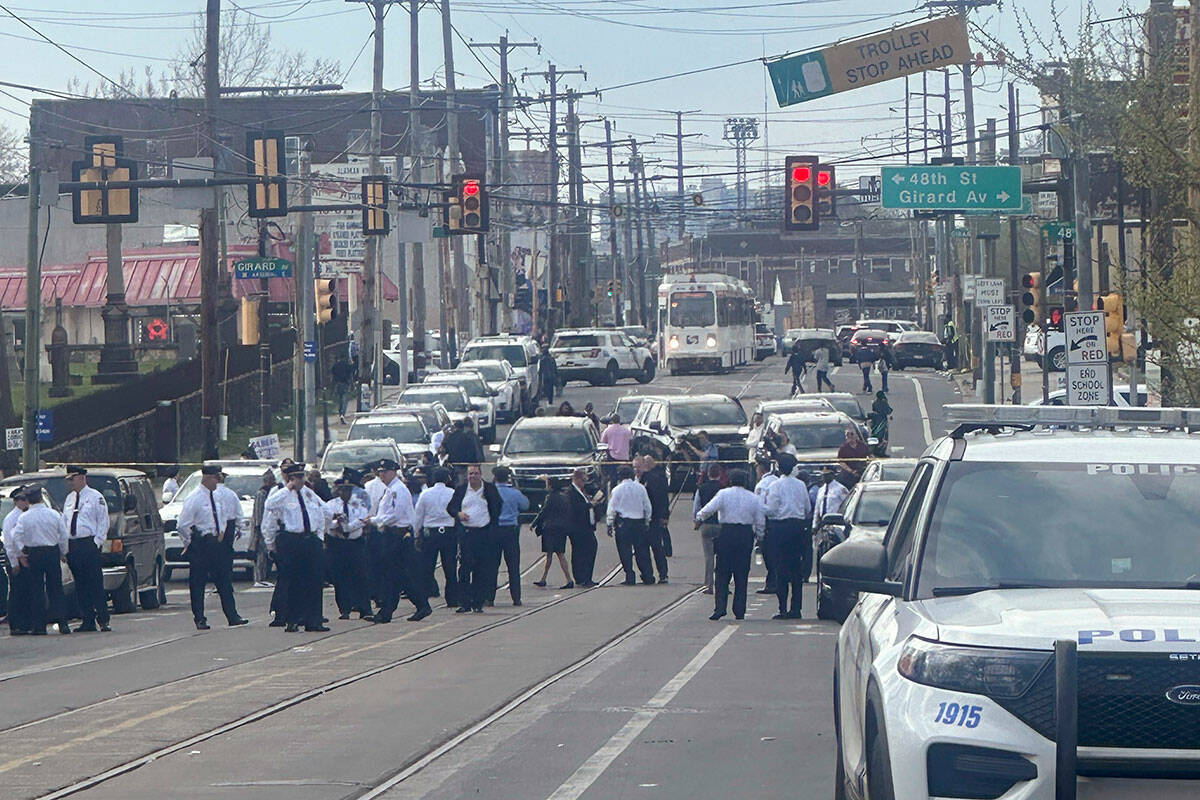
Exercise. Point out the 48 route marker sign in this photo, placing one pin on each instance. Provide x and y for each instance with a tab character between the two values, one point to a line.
952	188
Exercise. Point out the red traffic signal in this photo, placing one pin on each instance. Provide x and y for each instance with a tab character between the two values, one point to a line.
824	177
470	188
802	174
800	211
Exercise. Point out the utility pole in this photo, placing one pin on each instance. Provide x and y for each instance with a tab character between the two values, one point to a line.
306	309
1014	148
679	136
651	252
416	139
33	323
210	240
638	278
462	286
627	294
507	277
618	285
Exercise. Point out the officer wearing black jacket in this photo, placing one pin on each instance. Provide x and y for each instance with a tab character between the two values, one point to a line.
581	527
475	505
463	447
654	478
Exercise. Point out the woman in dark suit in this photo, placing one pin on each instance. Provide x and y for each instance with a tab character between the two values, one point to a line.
551	526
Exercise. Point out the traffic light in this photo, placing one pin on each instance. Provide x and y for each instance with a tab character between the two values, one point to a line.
1113	306
467	206
802	212
265	161
1056	318
324	290
1033	299
610	288
826	184
103	161
376	221
523	298
248	316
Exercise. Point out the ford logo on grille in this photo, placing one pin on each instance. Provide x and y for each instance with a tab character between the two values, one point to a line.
1188	695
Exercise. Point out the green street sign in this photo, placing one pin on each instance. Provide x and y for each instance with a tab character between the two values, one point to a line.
1056	232
952	188
253	268
1026	210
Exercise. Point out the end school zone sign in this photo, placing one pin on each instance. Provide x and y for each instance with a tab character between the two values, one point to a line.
871	59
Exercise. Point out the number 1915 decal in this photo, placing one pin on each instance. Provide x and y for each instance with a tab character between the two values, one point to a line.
964	716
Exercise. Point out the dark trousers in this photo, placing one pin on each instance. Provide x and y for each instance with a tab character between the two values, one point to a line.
475	561
806	552
506	544
866	371
548	391
770	550
20	600
209	561
823	378
583	554
402	571
443	543
45	601
734	546
83	557
797	386
883	376
792	538
348	571
632	544
301	569
659	541
376	573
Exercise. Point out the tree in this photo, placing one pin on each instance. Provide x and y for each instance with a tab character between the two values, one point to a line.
14	156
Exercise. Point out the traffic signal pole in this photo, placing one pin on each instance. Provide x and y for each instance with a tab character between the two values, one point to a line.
1017	345
306	308
209	240
612	228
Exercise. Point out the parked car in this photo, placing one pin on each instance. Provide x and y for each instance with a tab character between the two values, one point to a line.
600	357
848	404
481	398
404	428
889	469
816	435
866	511
843	333
896	326
243	478
663	424
553	446
802	402
133	558
1056	342
521	352
917	349
868	338
452	397
764	341
806	341
501	379
627	407
357	454
433	416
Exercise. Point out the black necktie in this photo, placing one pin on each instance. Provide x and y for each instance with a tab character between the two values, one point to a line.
304	512
216	520
75	516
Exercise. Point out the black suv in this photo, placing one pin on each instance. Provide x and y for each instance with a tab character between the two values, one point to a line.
663	424
134	555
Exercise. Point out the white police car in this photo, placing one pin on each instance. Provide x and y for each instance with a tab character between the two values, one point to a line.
1030	626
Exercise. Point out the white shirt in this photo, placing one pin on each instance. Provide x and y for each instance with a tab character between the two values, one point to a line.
829	501
736	506
821	359
375	488
435	441
6	535
92	518
197	512
283	506
764	483
630	500
787	498
430	511
40	526
591	508
229	502
475	507
170	489
396	507
354	511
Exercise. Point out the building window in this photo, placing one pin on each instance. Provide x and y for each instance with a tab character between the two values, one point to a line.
881	268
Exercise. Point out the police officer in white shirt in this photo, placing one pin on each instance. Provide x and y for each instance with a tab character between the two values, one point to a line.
629	513
788	513
202	522
742	518
231	505
346	549
398	554
40	539
86	513
294	521
829	497
19	578
376	574
438	536
766	477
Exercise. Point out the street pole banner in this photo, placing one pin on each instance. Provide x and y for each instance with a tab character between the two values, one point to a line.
878	57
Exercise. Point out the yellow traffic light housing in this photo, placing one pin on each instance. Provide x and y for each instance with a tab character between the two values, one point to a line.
103	161
467	206
1033	299
801	206
265	163
324	290
376	221
249	319
1113	306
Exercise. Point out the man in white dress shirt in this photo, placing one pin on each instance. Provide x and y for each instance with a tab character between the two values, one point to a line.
40	540
86	513
766	477
294	522
829	497
438	536
742	518
19	579
202	522
629	513
476	506
401	571
346	548
788	512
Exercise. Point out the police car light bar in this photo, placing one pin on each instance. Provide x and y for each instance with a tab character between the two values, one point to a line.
1088	416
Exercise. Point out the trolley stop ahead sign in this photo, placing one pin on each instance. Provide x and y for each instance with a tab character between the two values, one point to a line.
952	188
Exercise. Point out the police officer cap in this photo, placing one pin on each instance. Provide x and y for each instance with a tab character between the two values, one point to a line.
18	493
293	469
210	469
351	476
341	481
75	470
387	464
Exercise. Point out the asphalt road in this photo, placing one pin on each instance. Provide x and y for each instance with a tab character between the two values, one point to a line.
576	694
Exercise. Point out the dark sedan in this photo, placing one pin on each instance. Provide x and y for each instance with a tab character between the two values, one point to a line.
917	349
866	512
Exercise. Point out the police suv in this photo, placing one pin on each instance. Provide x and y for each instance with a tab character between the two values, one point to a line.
1030	625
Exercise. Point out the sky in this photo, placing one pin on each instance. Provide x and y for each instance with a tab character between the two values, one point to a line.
616	42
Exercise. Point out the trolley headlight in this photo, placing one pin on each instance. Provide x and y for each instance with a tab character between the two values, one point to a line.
674	343
711	341
978	670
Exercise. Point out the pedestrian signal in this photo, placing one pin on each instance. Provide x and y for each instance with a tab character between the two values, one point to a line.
266	164
376	221
104	161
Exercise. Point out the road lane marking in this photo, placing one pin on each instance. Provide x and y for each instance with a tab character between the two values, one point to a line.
594	767
43	668
924	410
